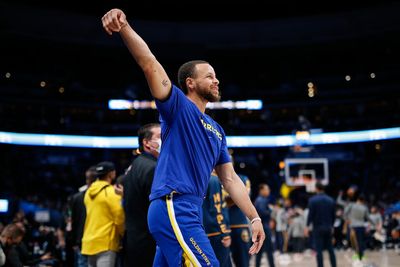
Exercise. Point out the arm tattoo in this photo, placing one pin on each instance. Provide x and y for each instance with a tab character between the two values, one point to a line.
165	83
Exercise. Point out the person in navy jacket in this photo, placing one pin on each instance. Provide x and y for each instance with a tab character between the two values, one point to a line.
262	204
322	216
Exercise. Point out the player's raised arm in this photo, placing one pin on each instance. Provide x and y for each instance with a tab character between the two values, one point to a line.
157	79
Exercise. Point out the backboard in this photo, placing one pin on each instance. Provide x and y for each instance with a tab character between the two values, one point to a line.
306	171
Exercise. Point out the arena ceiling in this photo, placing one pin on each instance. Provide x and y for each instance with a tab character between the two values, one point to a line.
274	42
220	10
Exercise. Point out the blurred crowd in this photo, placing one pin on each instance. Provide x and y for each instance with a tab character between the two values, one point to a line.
27	242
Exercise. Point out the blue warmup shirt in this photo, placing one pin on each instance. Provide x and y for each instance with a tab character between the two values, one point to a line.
192	145
237	218
215	211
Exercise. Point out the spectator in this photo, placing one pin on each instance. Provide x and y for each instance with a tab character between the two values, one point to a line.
140	246
338	236
321	216
263	208
104	224
78	216
375	230
296	233
2	255
281	218
357	215
11	236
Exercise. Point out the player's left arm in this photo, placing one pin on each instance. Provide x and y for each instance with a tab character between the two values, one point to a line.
239	194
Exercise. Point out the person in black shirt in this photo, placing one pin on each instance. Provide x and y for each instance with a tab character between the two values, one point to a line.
10	237
140	246
78	217
322	216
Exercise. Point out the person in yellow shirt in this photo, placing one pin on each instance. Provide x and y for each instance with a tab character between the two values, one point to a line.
104	225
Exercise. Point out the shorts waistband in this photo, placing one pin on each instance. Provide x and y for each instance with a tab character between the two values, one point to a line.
186	197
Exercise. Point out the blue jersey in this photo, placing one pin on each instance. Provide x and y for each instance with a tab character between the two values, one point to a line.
237	218
192	145
215	213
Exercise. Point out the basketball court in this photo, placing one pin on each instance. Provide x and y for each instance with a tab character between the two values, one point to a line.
387	258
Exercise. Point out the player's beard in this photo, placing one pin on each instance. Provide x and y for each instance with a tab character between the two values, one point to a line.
209	96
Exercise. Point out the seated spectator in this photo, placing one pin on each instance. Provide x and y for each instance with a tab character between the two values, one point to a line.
11	236
375	231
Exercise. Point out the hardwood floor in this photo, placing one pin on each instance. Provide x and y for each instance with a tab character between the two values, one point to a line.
387	258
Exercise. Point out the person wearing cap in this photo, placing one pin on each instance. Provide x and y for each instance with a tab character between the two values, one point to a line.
104	224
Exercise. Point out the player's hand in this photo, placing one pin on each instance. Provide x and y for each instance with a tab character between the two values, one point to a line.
258	237
114	20
119	189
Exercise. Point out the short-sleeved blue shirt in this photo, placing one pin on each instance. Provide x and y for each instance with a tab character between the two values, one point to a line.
192	145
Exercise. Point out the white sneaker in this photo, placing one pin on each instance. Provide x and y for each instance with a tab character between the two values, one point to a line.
284	259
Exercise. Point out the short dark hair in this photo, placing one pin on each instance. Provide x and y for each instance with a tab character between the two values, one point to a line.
361	197
91	174
187	70
319	186
13	231
145	133
262	186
